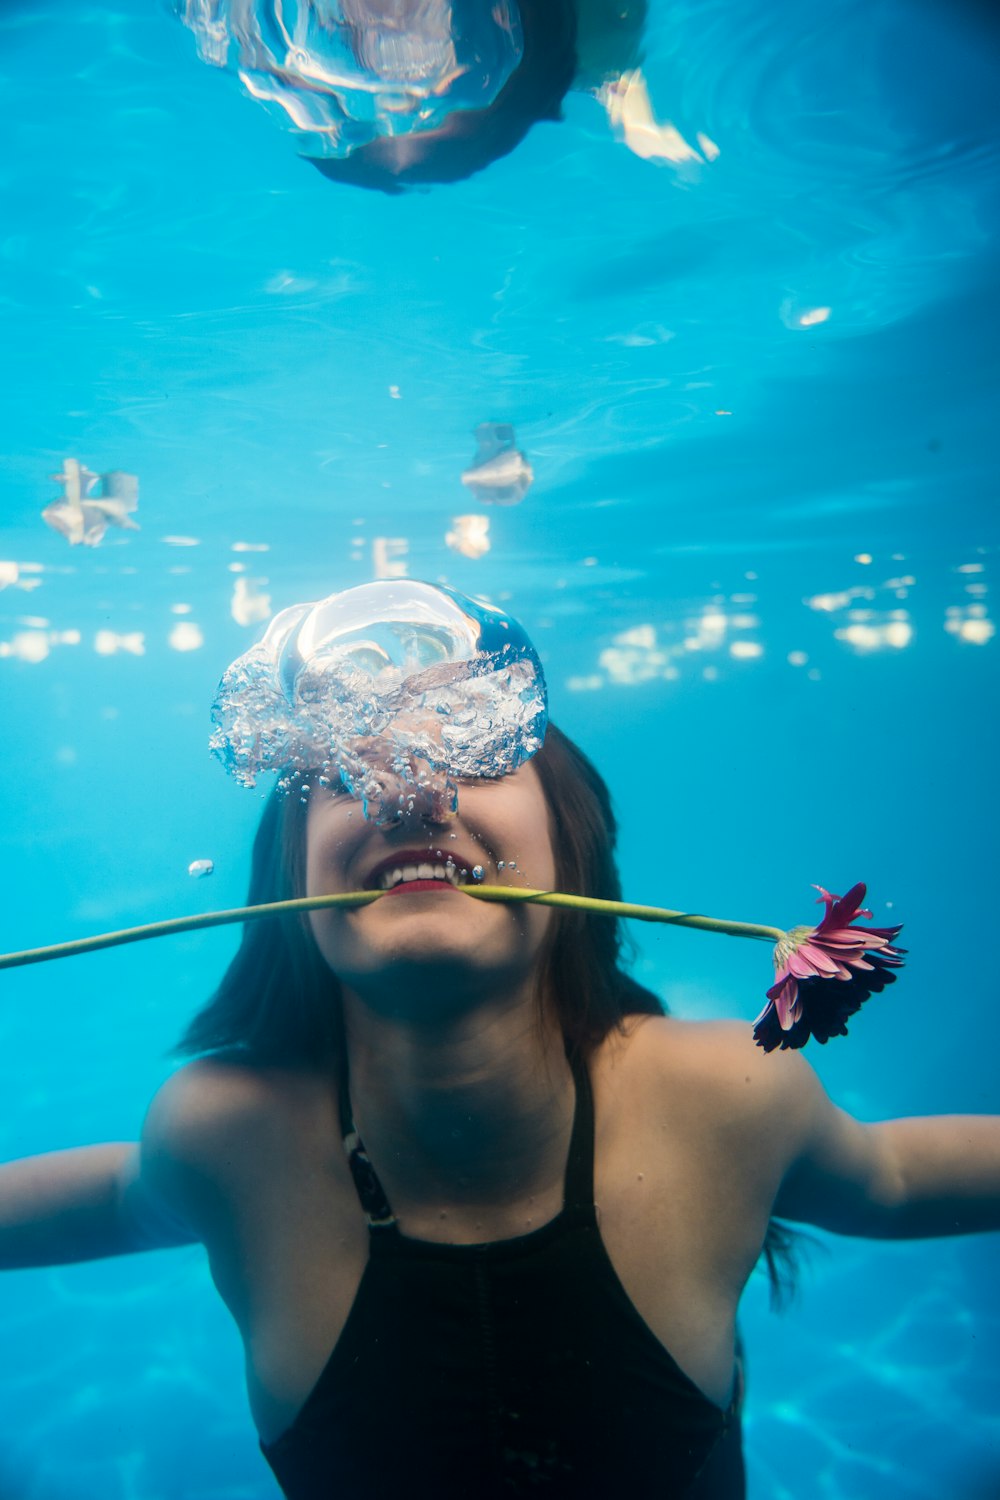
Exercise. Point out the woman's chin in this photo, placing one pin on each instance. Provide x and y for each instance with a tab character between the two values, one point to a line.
444	974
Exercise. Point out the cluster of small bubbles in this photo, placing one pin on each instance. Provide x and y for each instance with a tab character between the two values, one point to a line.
478	872
381	685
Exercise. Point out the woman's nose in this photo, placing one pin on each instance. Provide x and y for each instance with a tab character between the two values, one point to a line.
426	797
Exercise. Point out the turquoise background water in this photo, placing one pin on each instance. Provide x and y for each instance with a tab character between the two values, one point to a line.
296	368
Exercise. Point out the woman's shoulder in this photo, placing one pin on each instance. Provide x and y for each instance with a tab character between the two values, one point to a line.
716	1044
213	1128
711	1069
218	1108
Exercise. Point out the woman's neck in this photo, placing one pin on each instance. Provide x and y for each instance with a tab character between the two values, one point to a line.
475	1110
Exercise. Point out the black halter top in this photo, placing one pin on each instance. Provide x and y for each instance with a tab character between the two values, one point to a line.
514	1368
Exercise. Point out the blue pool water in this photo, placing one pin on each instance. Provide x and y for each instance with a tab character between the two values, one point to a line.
758	394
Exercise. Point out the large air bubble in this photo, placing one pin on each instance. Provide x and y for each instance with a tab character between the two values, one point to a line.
395	691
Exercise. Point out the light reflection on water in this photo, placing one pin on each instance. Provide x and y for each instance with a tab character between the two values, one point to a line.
756	392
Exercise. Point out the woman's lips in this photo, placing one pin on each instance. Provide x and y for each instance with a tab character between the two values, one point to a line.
413	886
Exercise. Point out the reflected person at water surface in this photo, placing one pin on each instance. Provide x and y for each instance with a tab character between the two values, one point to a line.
390	94
483	1213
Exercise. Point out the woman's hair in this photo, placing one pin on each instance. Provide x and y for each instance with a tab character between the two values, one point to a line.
472	138
279	1003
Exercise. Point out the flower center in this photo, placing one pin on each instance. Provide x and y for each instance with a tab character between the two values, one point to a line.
792	940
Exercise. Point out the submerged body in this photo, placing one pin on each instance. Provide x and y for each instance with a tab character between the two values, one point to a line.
265	1181
656	1279
584	1283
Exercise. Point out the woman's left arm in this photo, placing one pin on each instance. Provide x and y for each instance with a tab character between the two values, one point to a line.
898	1179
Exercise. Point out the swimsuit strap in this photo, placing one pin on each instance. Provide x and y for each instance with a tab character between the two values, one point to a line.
578	1185
578	1188
369	1189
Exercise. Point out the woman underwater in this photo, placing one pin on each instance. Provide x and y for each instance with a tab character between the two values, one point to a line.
482	1213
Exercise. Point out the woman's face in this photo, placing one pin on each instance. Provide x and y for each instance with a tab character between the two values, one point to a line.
426	943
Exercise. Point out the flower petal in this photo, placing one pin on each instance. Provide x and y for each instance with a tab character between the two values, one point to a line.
785	996
821	961
844	908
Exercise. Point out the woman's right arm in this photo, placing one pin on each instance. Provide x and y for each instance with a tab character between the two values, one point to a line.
99	1201
84	1204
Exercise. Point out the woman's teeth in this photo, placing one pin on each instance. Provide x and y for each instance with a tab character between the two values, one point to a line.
404	873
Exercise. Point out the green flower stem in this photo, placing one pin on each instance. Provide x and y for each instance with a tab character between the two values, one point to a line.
182	924
351	899
626	909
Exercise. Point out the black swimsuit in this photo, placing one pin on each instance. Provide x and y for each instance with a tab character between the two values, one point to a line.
514	1368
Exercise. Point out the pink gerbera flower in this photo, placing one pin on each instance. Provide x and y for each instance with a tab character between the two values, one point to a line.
857	962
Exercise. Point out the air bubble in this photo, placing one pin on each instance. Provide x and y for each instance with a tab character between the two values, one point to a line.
390	687
201	867
500	864
477	872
